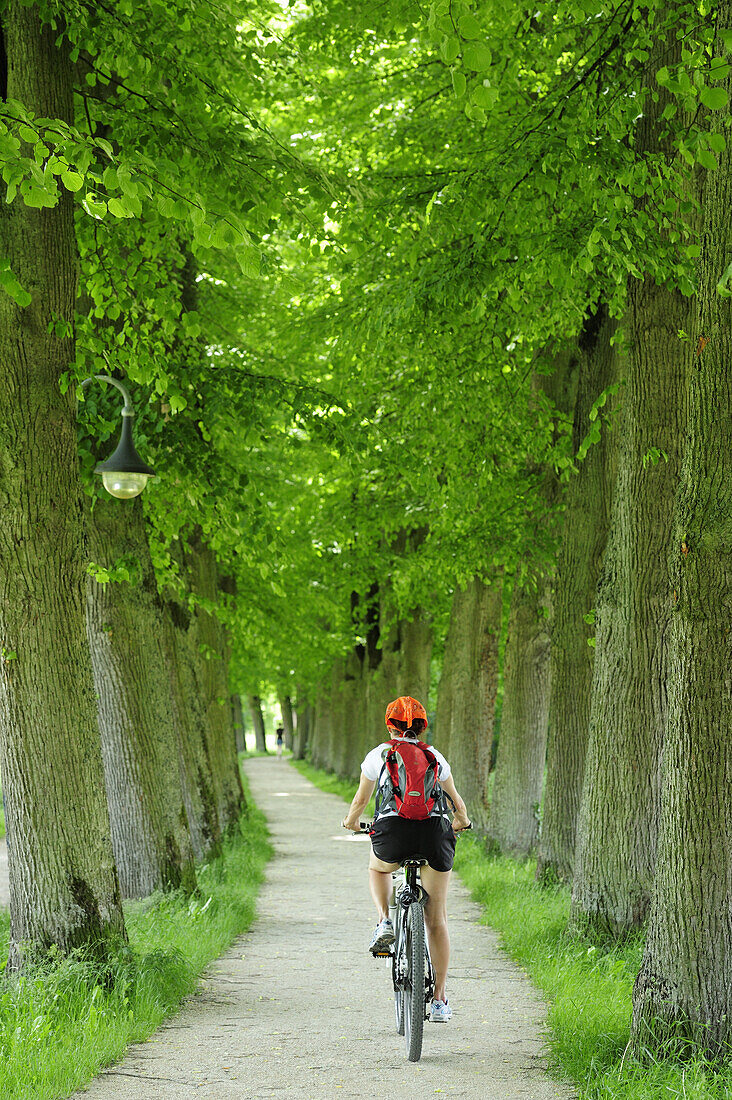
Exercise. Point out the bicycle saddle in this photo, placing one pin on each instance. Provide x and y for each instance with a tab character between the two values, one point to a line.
418	861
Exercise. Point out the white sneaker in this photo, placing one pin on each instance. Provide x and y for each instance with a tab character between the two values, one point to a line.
383	937
440	1012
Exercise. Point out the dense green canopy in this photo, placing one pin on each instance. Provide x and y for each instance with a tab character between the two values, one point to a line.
336	251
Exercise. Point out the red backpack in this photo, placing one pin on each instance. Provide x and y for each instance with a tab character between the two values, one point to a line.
410	789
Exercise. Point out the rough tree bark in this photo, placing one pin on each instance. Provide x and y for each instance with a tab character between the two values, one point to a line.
584	536
445	688
519	771
286	712
255	711
213	648
302	729
183	665
320	738
354	717
237	718
684	987
334	745
140	744
475	627
63	882
618	822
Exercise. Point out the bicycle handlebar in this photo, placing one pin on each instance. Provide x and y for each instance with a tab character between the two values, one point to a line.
367	826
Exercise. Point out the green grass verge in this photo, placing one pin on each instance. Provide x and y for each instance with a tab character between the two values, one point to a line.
59	1024
589	990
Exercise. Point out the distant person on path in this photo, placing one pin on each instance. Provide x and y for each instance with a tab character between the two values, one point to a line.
280	739
395	837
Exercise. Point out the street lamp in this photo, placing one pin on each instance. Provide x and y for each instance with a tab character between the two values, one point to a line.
124	474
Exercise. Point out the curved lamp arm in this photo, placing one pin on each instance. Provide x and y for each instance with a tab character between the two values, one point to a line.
128	409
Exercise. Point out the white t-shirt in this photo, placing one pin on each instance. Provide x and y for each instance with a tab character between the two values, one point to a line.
373	762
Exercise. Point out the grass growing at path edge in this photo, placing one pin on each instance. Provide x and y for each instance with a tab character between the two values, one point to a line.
61	1023
589	990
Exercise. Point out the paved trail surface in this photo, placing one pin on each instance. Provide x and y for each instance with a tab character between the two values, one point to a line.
298	1009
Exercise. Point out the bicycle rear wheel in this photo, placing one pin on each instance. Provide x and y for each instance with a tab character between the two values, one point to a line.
414	991
399	1010
399	966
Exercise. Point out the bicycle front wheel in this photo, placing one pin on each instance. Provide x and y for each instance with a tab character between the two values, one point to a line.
414	991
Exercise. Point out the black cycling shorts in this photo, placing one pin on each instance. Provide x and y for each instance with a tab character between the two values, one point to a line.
396	838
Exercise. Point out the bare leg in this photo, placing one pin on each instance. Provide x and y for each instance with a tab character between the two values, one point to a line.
435	919
380	884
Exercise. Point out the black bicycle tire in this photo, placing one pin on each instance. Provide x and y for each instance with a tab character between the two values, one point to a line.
414	993
399	1010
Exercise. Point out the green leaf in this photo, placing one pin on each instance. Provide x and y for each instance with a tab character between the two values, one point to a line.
449	50
723	284
249	259
706	159
72	181
469	27
485	97
459	82
109	179
726	36
713	98
477	57
118	208
36	196
12	286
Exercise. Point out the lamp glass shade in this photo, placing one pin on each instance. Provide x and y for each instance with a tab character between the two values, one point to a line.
124	474
123	485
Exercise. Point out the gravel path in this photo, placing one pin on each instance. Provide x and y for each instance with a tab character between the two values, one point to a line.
298	1009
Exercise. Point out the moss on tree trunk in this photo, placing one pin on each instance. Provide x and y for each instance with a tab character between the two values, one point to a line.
63	883
584	537
684	987
141	746
475	626
182	661
619	814
519	772
213	652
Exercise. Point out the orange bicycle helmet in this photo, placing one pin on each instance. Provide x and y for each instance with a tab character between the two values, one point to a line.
403	713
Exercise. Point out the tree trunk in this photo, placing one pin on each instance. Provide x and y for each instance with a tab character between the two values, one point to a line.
237	718
302	730
286	712
320	739
140	745
255	710
334	745
183	663
583	543
618	822
519	772
415	670
446	687
63	883
213	647
475	627
684	987
354	718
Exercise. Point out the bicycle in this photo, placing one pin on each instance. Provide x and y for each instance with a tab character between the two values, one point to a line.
411	966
